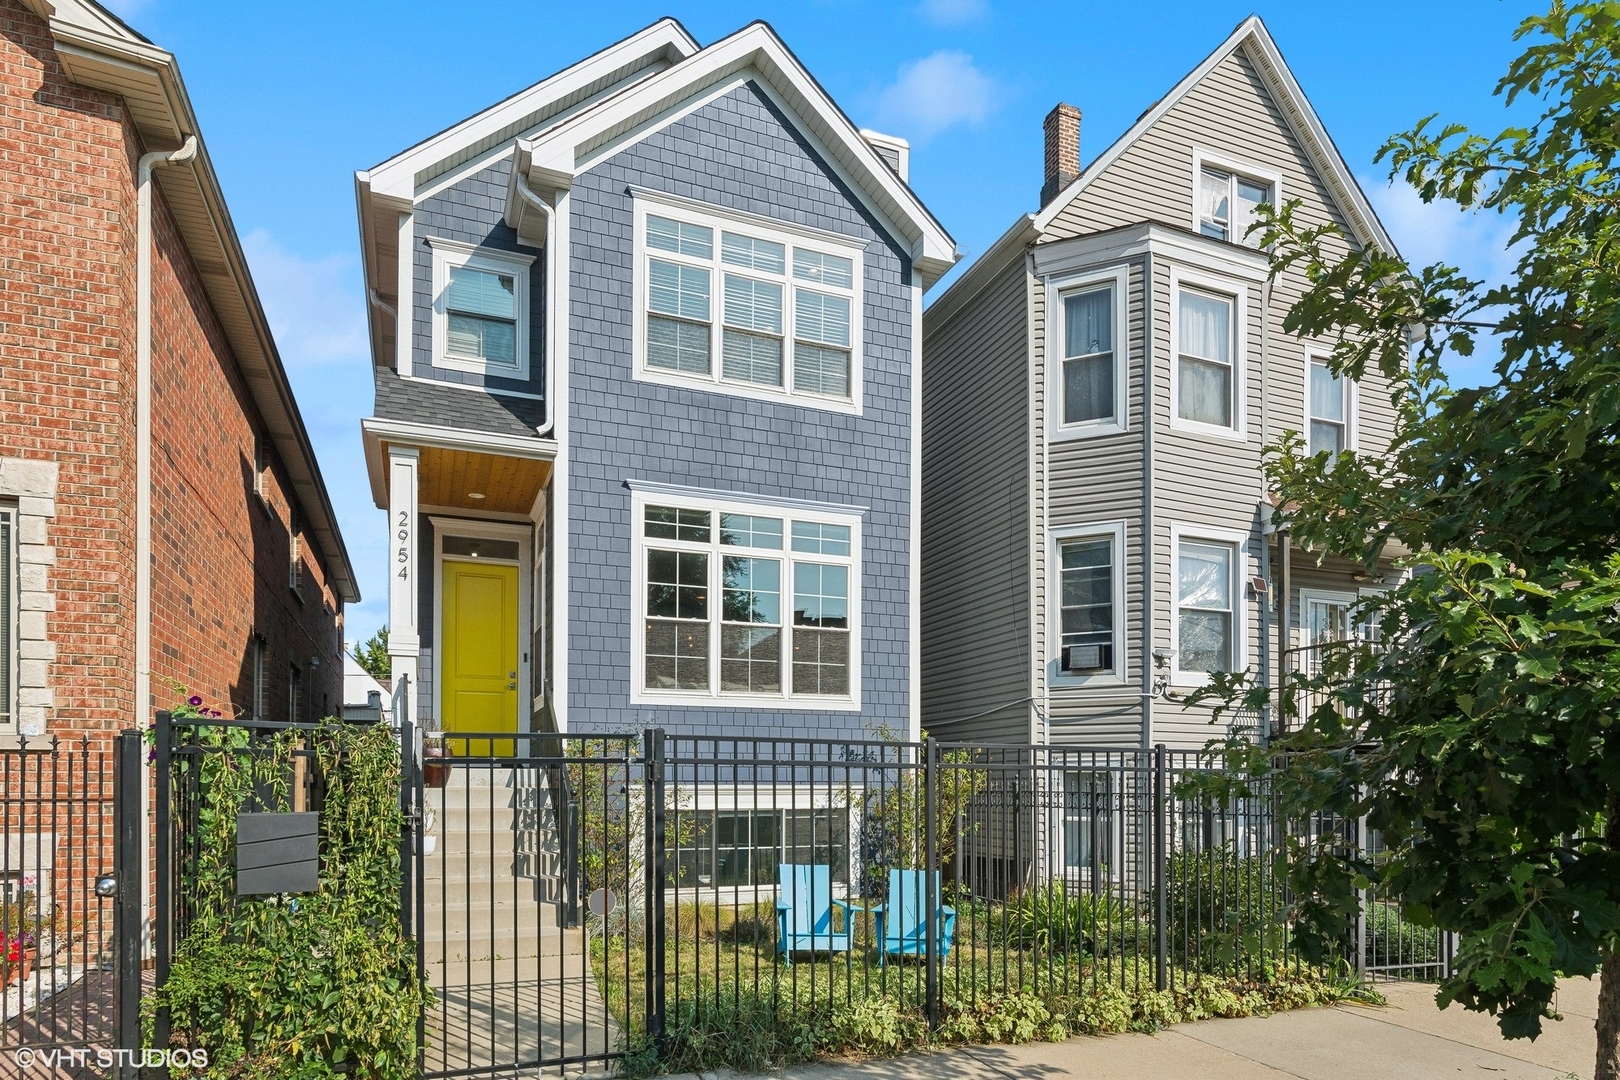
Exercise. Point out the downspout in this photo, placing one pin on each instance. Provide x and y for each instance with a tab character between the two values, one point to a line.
1284	614
378	302
143	461
526	193
1268	529
1149	324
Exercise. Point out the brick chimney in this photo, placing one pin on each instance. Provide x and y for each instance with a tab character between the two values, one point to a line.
1062	150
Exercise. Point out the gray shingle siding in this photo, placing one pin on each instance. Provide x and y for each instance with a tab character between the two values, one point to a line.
470	210
737	152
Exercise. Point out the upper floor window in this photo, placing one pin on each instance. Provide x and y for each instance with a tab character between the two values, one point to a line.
747	308
9	650
480	309
1226	205
1206	378
745	603
1328	405
1085	372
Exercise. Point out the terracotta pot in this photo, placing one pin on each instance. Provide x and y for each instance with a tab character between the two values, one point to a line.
25	965
435	775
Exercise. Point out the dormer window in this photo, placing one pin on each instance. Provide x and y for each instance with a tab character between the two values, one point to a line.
480	309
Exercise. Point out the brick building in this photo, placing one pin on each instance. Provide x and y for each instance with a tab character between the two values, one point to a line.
163	521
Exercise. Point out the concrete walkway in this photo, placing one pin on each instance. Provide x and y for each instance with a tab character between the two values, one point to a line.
1411	1039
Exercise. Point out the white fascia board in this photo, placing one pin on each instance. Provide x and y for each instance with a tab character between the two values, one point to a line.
1302	118
982	272
1202	252
568	148
397	175
448	438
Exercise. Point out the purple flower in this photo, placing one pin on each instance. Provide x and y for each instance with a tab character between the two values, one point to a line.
215	713
151	756
194	700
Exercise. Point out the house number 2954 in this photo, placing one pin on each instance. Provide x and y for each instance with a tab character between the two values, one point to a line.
404	535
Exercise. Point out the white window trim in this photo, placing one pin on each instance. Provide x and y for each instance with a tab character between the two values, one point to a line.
1056	676
1238	292
448	254
1222	163
1118	277
1241	573
10	612
726	798
490	530
713	697
719	219
1351	412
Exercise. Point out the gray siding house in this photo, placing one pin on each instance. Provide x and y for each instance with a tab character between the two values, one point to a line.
646	339
1097	391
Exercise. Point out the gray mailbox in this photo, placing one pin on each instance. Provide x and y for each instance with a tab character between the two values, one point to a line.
277	853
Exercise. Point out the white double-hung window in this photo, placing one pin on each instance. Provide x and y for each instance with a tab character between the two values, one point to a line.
1327	405
1207	632
745	602
1089	615
746	306
480	309
1206	333
1227	193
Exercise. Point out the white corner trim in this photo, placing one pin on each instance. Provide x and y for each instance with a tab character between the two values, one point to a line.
1242	570
1238	293
1114	531
914	532
405	303
29	487
1116	278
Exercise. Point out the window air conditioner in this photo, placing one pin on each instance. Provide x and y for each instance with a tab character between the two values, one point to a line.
1082	659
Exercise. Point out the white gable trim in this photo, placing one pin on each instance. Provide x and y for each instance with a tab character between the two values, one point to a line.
1302	118
635	56
557	155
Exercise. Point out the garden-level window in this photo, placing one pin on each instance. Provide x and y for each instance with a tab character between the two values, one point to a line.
1088	822
258	707
1205	370
1088	355
1206	605
1329	402
1226	205
744	847
745	306
745	603
8	615
1086	569
480	309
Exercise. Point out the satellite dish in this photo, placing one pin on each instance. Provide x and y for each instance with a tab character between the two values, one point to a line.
602	902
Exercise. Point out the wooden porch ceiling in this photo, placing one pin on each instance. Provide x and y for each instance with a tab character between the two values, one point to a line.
451	477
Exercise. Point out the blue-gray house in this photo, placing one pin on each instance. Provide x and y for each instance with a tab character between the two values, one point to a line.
647	342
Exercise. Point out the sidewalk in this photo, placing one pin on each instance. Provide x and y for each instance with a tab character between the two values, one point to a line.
1409	1040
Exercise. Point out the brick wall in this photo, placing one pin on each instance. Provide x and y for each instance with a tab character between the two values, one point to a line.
67	397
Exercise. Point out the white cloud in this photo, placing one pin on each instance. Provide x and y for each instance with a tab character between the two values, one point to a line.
1476	243
953	12
936	92
317	313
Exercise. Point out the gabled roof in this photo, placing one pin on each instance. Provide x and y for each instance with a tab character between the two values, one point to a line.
573	145
1251	35
98	50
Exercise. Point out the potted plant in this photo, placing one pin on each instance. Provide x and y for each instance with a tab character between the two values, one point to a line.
430	842
435	772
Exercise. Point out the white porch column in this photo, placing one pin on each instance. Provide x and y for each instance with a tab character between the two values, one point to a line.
404	642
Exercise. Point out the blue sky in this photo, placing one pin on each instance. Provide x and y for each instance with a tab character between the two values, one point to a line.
294	97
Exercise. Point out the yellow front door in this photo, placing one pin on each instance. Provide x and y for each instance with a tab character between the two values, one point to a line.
479	670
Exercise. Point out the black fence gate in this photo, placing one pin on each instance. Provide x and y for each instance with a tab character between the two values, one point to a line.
70	903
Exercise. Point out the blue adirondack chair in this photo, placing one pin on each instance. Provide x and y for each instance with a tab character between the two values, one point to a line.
902	928
804	912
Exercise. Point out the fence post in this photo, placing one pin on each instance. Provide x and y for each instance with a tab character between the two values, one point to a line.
653	889
1361	904
129	778
163	858
1161	931
931	898
408	814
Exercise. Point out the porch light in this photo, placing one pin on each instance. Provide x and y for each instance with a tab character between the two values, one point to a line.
475	494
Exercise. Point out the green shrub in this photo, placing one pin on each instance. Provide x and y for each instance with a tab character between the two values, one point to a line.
281	987
1223	910
1396	941
1051	918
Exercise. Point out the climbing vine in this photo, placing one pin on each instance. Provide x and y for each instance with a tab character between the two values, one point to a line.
294	986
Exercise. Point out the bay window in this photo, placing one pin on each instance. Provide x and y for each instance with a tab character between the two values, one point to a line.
1088	356
1089	612
1207	577
1207	379
1328	406
786	584
779	308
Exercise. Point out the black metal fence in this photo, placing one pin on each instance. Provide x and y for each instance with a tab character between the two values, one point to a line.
69	819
